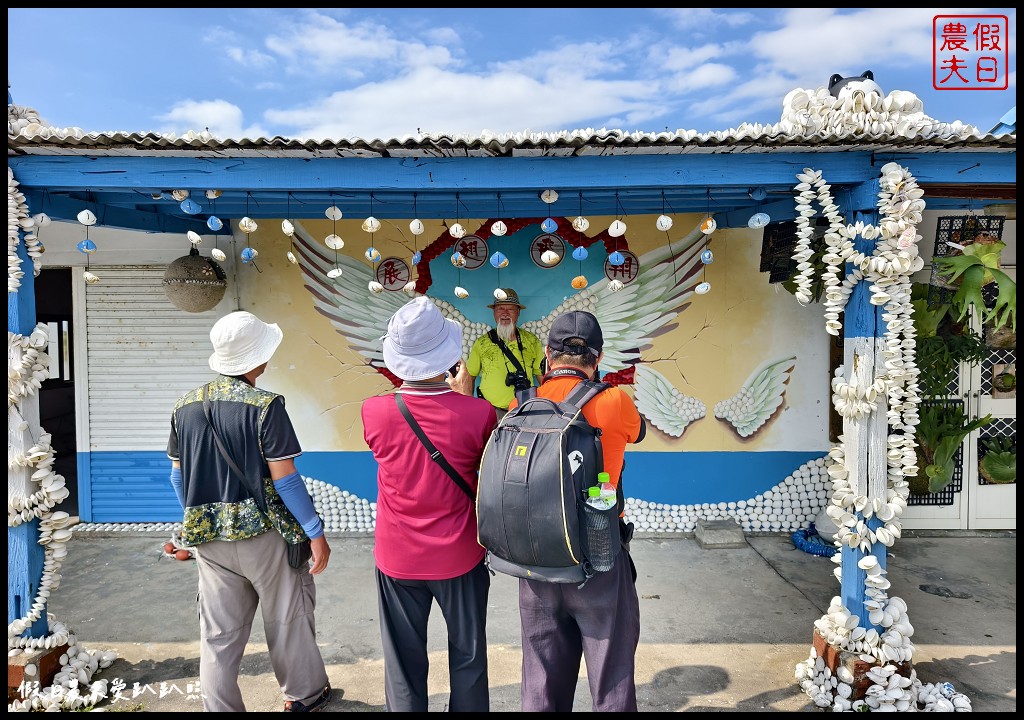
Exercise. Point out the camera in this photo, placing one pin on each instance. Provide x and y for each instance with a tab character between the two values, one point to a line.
454	369
518	380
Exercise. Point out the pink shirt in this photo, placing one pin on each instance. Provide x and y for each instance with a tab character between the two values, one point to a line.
426	525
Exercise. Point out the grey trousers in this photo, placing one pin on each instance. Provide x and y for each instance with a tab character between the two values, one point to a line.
235	577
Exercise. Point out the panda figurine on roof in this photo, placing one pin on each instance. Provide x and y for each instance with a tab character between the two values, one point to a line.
865	82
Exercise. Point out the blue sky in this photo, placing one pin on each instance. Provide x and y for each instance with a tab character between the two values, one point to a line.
390	73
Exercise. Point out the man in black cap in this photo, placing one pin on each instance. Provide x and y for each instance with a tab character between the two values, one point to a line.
560	623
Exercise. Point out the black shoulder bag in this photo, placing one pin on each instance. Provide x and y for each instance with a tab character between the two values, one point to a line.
299	553
435	454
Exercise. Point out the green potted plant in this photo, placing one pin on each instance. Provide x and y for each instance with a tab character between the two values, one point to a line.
940	433
943	342
977	264
999	464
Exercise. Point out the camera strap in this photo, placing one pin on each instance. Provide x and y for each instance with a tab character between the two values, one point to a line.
435	454
493	335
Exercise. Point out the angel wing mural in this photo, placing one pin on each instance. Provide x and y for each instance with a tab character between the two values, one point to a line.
629	318
759	397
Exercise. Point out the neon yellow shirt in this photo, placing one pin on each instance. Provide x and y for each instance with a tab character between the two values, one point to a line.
487	361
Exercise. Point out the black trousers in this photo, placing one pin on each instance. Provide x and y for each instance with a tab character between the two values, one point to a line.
404	607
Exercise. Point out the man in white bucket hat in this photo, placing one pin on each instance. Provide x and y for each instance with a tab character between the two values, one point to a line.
232	449
425	541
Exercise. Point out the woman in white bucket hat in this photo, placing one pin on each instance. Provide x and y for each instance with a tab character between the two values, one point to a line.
425	547
232	449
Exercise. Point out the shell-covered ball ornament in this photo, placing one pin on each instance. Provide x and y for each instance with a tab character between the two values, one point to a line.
579	282
499	260
498	228
372	254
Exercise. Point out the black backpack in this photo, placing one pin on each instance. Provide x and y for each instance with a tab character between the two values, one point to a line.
531	515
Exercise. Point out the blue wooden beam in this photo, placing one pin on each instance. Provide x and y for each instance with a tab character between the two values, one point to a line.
62	207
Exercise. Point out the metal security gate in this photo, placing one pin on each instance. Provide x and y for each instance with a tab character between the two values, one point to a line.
140	354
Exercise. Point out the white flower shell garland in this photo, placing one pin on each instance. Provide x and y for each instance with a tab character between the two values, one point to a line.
18	223
888	269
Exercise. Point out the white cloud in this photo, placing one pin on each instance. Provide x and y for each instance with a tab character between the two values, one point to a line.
697	18
220	117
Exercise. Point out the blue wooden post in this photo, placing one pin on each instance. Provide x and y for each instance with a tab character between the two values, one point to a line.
24	553
866	438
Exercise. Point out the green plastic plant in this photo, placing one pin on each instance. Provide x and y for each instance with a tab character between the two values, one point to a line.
977	266
942	343
999	465
940	433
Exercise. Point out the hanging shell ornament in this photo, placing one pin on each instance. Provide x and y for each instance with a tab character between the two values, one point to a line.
703	288
218	255
549	225
617	228
498	228
90	278
371	224
580	224
708	225
549	196
458	259
334	242
333	213
334	273
416	226
615	285
214	223
457	231
247	225
410	288
579	282
499	260
663	223
416	257
461	293
707	257
580	254
41	219
287	228
372	254
616	258
249	254
179	195
157	195
291	257
550	257
86	217
87	246
190	206
758	220
194	238
500	295
375	287
212	194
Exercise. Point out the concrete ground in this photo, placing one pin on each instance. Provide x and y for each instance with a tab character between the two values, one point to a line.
722	629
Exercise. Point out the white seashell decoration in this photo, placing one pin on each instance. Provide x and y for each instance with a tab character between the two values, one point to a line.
549	196
334	242
617	228
550	257
663	223
291	257
708	225
372	254
287	228
410	288
90	277
335	273
333	213
500	295
461	293
87	217
458	259
180	195
416	226
615	285
218	255
498	228
376	287
457	231
194	238
371	224
213	194
247	225
703	288
580	224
